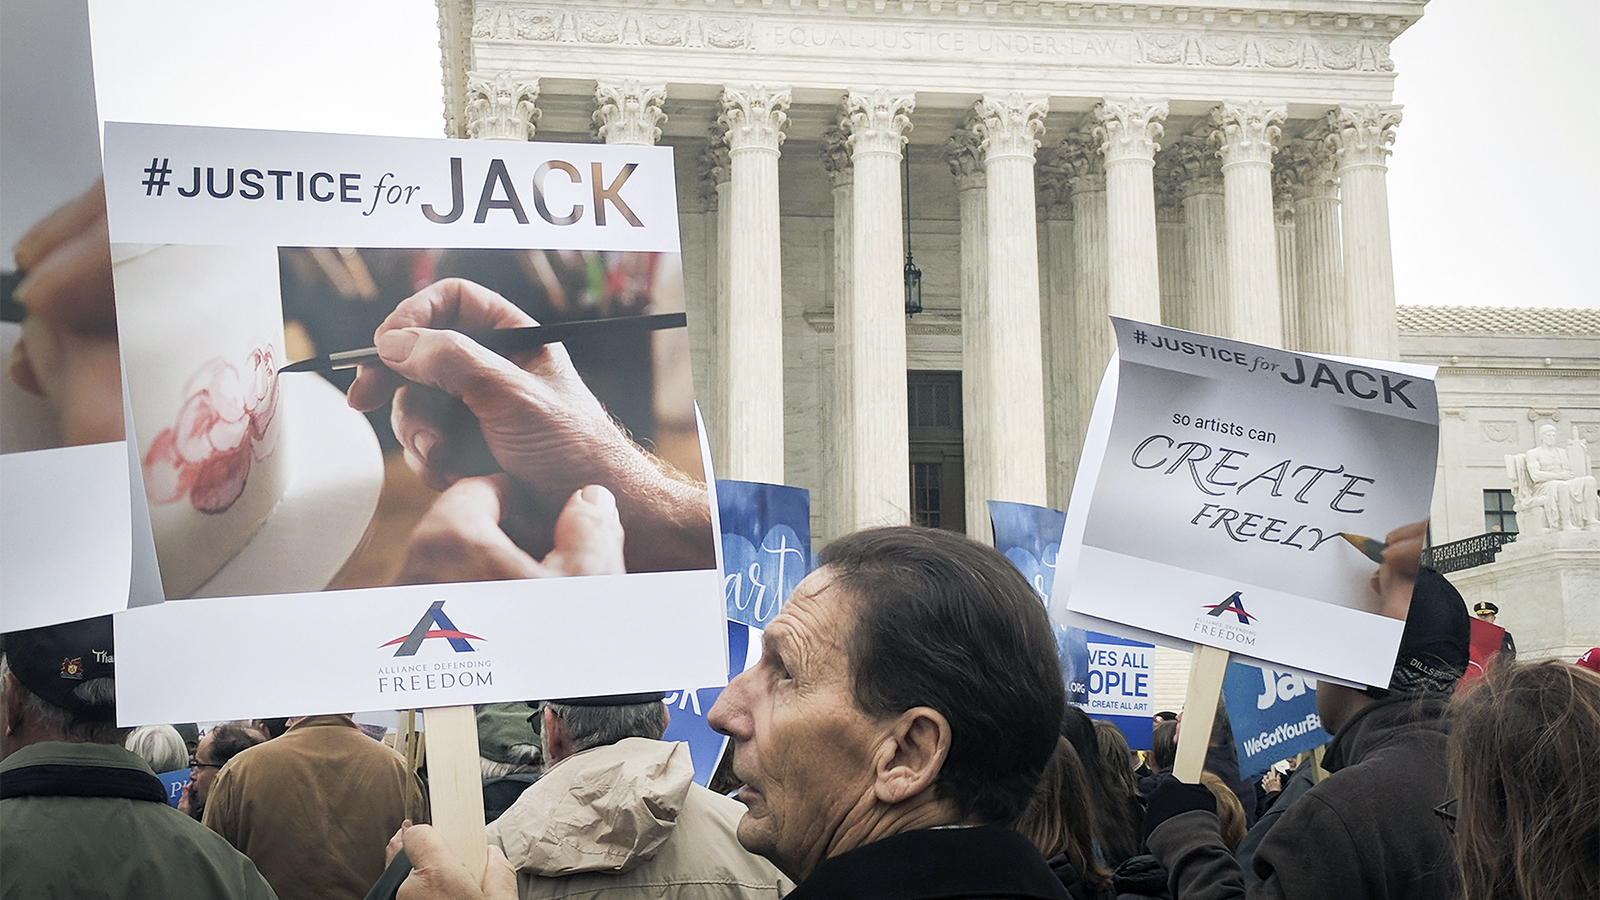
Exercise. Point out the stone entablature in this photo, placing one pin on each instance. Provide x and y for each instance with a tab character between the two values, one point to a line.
1313	53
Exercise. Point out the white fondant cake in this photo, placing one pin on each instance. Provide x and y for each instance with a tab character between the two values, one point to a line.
201	332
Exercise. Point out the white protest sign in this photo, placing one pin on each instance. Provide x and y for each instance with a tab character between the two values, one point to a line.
172	185
1229	472
261	484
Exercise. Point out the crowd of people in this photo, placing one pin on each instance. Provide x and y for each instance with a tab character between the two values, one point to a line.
904	734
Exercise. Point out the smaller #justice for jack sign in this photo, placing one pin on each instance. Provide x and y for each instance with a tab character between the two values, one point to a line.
1230	474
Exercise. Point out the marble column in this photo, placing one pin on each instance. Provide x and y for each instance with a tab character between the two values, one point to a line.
836	160
1093	339
628	111
1059	327
963	152
1009	362
1128	130
1360	136
1288	276
718	169
877	452
1320	314
501	106
1170	243
1204	234
1247	133
750	334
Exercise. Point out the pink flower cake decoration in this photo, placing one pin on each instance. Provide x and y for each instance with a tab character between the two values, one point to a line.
226	423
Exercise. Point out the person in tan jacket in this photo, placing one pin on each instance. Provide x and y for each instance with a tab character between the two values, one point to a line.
314	808
618	815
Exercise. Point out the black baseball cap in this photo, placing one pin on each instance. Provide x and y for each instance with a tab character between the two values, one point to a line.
1434	646
52	661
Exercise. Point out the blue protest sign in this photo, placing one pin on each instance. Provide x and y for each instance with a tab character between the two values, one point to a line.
1273	714
686	710
1117	685
1030	536
173	783
766	546
766	551
1108	676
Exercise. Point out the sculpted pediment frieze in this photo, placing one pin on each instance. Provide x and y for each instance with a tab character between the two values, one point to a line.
1036	32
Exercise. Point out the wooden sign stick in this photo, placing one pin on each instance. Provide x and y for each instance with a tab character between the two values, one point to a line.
455	783
1199	711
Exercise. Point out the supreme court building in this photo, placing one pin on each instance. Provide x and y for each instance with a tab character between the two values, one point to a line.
1219	167
1215	166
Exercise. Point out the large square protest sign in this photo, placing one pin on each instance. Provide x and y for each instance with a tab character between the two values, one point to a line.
391	400
1230	475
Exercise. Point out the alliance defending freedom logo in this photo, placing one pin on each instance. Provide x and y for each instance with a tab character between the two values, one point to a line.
433	624
447	673
1213	625
1233	604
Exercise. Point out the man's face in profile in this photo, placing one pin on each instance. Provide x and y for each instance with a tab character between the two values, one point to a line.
801	747
204	771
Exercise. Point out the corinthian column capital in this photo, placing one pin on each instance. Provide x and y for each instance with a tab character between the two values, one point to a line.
629	112
1307	170
1129	129
1082	163
1247	131
715	164
963	152
836	156
1009	124
1361	135
1195	166
754	116
878	120
501	106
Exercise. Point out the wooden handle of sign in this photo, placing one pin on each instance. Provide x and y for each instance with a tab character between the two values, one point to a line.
455	783
1199	711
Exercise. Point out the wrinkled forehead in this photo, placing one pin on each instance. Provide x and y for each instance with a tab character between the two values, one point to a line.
820	607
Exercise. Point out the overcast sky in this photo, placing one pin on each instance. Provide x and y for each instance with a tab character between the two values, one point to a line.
1494	197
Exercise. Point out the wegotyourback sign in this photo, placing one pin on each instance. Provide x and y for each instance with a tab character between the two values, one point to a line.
1273	714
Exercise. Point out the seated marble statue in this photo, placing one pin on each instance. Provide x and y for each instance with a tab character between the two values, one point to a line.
1562	485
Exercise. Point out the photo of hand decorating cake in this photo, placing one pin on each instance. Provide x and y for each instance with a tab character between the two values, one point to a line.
201	330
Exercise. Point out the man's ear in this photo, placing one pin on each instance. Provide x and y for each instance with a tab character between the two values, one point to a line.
557	743
911	754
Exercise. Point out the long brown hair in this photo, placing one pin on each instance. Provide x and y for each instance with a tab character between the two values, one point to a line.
1230	812
1060	818
1525	764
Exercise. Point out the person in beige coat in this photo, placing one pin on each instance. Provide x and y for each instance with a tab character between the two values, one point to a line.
618	814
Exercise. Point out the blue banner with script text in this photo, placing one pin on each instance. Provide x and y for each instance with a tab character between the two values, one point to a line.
766	551
1109	677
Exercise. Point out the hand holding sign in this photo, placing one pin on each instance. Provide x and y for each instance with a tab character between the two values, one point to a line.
1397	576
536	421
437	874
